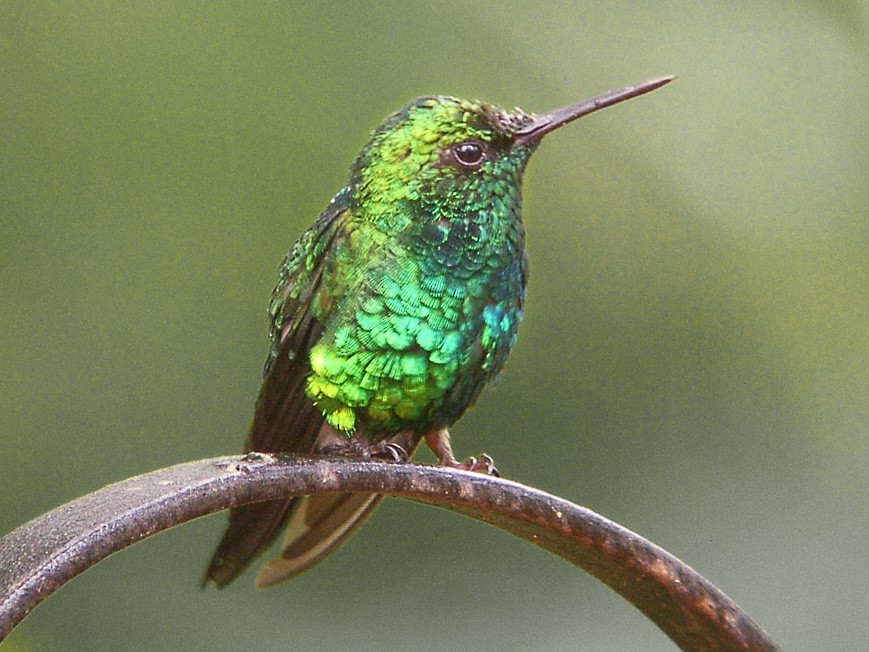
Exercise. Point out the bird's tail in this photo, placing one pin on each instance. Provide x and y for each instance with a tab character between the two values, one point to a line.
315	527
251	529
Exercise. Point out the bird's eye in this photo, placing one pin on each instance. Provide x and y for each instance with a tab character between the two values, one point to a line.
469	154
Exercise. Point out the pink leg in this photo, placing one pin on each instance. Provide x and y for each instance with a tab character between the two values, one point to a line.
438	440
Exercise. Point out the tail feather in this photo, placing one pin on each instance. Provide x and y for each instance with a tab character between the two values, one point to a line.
251	529
316	526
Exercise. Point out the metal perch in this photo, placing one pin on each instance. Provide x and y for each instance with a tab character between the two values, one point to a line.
40	556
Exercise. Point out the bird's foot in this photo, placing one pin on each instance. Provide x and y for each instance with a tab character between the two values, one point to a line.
482	464
389	451
438	440
366	450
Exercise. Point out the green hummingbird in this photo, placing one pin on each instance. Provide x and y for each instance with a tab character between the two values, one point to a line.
393	311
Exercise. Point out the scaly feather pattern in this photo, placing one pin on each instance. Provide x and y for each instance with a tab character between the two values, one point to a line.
438	269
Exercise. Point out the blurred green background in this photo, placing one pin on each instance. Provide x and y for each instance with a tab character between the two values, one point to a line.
694	361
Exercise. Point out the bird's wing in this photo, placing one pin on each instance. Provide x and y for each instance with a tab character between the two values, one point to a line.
285	419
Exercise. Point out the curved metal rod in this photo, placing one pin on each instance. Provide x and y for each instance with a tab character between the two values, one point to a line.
40	556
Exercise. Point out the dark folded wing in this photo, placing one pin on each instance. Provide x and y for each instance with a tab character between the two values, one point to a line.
285	419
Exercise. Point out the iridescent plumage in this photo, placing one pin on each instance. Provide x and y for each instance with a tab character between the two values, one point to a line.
393	311
426	272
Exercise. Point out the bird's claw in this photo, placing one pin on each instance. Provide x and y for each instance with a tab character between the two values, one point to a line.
381	450
392	451
482	464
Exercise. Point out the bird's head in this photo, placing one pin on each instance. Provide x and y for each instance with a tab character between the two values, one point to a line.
452	156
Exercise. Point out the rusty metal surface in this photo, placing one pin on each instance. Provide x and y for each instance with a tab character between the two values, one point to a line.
40	556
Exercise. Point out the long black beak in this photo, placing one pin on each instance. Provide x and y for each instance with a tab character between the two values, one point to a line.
541	125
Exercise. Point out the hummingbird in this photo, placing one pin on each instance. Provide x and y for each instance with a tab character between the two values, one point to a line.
393	311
